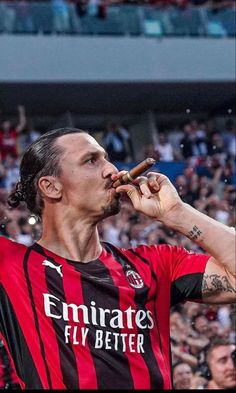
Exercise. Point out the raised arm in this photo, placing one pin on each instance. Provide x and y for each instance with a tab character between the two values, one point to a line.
217	240
156	197
21	119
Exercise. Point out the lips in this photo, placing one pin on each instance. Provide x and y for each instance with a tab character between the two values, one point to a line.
109	185
230	376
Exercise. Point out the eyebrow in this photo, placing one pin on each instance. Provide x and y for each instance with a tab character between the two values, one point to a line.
95	153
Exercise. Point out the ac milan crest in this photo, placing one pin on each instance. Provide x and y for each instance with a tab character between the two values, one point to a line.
134	279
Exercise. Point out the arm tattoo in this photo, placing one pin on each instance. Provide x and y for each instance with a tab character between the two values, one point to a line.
213	283
195	233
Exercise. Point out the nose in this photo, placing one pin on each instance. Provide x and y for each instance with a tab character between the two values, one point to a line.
109	169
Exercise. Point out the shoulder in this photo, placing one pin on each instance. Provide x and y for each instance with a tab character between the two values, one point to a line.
160	250
5	244
8	245
4	241
153	252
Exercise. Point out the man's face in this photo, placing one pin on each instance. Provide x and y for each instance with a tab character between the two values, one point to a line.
86	178
201	325
222	366
182	376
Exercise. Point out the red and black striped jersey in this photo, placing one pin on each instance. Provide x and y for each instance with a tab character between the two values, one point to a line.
103	324
8	376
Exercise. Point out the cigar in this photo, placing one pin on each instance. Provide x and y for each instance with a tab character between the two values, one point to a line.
135	172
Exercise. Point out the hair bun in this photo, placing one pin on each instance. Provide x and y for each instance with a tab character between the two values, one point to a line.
16	196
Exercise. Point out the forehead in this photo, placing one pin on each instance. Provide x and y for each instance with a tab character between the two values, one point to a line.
223	350
78	144
182	368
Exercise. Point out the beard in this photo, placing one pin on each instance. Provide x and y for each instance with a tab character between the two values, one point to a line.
112	208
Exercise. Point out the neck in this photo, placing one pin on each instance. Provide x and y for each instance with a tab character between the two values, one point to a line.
212	385
75	239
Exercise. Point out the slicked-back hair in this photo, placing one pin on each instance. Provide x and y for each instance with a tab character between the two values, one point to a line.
42	158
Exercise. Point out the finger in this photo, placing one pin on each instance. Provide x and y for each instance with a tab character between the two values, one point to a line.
143	185
118	175
160	179
132	193
148	185
159	176
152	181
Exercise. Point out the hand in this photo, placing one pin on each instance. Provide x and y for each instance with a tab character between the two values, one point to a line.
20	108
153	195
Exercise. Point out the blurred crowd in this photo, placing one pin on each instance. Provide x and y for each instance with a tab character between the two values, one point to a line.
161	3
202	336
180	17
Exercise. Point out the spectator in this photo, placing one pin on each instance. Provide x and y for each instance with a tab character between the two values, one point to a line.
28	135
117	143
9	134
182	375
229	138
216	145
81	7
24	21
193	143
12	171
8	10
164	149
221	363
61	16
174	136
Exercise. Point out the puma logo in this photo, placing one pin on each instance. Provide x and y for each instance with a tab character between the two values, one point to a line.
52	266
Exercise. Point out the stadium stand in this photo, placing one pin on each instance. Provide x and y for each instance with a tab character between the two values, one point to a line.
198	153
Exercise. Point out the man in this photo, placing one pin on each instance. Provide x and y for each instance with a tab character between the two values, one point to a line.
185	379
221	365
9	134
81	314
117	142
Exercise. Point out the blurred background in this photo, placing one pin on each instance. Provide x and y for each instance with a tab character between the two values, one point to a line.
146	79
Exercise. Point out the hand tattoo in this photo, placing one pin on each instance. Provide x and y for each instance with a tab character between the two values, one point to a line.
195	233
213	283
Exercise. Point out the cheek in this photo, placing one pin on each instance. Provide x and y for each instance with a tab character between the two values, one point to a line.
218	370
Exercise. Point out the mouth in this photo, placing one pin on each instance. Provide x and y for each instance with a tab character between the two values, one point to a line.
112	190
109	185
231	376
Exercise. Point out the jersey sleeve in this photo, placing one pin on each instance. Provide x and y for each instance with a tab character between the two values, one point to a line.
4	245
187	275
184	269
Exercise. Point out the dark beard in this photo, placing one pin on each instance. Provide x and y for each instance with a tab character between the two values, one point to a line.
113	208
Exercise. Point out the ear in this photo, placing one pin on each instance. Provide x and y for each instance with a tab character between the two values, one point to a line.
50	187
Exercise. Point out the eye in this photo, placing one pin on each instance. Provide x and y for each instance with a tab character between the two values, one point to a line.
90	160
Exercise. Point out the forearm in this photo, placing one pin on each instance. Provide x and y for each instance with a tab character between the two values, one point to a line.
185	357
22	119
215	238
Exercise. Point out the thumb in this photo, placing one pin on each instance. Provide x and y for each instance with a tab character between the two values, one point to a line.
132	193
